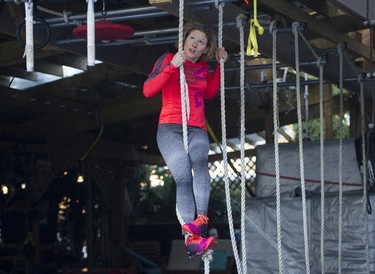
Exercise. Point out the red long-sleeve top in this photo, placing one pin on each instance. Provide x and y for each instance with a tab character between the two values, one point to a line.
165	77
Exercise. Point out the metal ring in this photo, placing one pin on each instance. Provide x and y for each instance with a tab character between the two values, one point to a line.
35	19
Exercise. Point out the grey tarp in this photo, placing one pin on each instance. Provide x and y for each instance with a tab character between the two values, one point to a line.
290	167
261	239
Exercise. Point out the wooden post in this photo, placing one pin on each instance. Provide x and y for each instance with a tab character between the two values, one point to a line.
355	119
268	122
328	114
88	220
118	217
32	222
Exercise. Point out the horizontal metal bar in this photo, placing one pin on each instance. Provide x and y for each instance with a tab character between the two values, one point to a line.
155	32
138	40
279	85
114	15
291	84
269	66
206	2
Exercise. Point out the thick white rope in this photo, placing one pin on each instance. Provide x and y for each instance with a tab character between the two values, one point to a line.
273	31
295	26
29	47
322	138
306	97
322	170
207	258
240	25
340	233
64	14
224	139
90	33
364	167
185	106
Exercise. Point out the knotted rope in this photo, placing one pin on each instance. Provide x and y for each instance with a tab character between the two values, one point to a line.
295	26
364	165
240	26
341	80
322	171
224	136
207	258
185	106
273	31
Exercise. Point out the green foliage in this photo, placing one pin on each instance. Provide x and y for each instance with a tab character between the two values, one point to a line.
157	204
218	206
314	128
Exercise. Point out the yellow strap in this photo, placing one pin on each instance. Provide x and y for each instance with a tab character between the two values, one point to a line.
93	144
29	239
252	44
211	132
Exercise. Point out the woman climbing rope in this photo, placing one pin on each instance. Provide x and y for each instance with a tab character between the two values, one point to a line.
188	166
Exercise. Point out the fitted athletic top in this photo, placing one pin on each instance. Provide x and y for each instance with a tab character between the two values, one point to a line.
165	77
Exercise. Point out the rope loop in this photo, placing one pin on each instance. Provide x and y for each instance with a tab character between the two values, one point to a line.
207	259
208	256
66	15
219	4
320	62
273	27
240	21
361	77
341	47
295	26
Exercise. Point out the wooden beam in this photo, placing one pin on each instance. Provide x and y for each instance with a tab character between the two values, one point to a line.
356	8
152	2
12	53
207	16
82	142
322	7
112	112
285	9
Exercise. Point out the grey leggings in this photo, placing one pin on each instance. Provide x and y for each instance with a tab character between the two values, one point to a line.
190	171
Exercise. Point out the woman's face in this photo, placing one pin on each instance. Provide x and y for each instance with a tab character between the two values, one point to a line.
195	45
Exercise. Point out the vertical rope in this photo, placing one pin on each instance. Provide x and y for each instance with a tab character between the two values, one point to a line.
306	97
363	128
240	26
364	166
301	158
220	28
29	47
207	258
224	138
371	69
341	73
273	31
90	33
322	171
183	84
